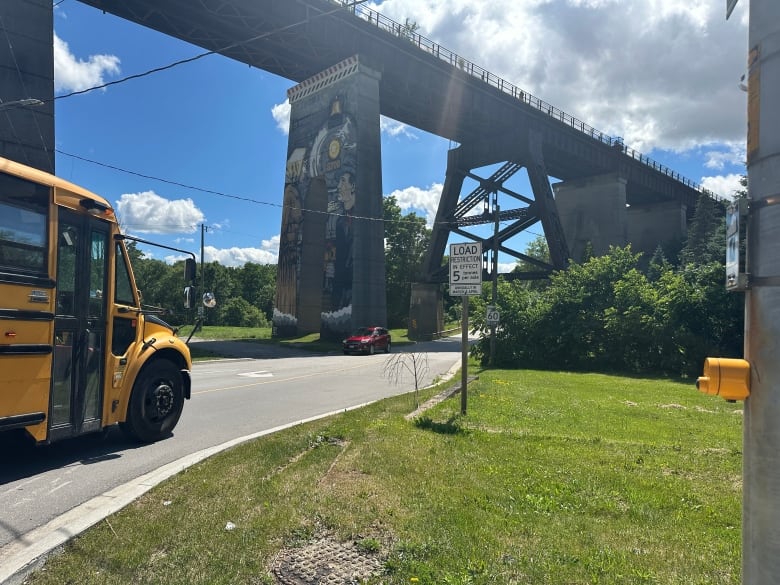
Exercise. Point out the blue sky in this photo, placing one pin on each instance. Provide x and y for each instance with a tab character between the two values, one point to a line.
663	75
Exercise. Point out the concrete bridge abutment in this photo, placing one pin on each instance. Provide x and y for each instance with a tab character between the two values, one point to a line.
331	271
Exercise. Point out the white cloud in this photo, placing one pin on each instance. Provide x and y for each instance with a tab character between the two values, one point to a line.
239	256
418	199
281	113
391	128
723	185
735	154
660	74
147	212
73	74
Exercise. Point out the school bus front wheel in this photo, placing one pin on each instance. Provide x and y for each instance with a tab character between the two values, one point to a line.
156	402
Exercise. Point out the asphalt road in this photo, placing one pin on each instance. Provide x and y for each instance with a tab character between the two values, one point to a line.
232	398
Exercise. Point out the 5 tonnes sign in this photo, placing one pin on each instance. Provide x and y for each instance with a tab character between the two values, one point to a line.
466	269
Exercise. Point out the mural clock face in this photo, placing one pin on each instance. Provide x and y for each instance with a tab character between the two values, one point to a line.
334	148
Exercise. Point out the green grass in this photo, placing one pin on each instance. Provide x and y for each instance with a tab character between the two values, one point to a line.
226	332
310	342
551	478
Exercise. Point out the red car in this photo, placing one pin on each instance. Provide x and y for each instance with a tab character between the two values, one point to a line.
367	340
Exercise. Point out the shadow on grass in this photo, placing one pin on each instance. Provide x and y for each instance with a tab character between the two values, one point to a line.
451	427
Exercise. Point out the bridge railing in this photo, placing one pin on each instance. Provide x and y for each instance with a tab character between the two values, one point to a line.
404	31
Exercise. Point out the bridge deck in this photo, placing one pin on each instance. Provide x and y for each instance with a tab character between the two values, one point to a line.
423	84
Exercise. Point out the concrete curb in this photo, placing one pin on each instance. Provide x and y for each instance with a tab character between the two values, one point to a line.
25	554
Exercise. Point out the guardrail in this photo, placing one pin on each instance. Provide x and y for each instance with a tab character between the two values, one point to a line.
429	46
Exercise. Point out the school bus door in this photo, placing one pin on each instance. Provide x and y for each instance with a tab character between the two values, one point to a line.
83	245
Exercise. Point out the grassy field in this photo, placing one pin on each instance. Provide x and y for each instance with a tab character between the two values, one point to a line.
551	478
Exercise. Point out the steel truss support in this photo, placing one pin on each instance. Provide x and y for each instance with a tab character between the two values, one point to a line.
455	214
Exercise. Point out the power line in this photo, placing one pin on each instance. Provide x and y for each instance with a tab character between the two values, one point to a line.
207	53
223	194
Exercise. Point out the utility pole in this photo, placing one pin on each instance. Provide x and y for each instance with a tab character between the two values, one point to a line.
203	229
494	276
761	434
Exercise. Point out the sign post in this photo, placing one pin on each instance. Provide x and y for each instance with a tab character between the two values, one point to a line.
465	281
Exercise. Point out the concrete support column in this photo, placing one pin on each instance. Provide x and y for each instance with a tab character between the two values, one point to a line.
649	226
331	274
426	318
592	211
27	71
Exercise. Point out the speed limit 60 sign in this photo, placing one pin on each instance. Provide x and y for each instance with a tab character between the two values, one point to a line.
492	316
466	269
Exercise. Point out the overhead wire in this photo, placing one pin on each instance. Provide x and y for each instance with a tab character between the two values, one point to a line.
223	194
207	53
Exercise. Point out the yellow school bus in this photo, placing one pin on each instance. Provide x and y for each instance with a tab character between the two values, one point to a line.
78	353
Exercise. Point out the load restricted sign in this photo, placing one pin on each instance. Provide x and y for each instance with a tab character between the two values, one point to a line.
466	269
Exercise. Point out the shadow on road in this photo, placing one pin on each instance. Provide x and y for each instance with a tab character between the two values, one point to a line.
21	458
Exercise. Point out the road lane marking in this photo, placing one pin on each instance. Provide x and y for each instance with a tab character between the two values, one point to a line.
259	374
301	377
62	485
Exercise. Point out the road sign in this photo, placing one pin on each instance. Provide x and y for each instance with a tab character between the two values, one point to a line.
736	278
466	269
492	316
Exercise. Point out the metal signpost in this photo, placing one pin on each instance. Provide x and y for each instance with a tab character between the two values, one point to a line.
465	281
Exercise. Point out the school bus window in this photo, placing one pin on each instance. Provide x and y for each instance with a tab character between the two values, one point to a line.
123	291
23	223
97	273
66	269
22	239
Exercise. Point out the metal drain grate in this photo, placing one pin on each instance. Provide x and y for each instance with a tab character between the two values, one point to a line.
325	561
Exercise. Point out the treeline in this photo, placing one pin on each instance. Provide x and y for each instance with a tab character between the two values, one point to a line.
620	313
245	294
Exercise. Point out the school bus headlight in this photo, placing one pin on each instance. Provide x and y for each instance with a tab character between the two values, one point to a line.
725	377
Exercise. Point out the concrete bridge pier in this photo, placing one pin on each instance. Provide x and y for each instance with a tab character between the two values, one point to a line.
331	271
27	71
594	212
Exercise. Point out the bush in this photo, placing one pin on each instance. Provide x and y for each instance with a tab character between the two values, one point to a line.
606	315
237	312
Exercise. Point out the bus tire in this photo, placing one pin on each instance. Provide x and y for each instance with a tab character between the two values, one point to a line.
155	403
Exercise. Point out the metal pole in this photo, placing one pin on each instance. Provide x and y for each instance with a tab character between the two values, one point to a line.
202	270
494	268
761	434
464	362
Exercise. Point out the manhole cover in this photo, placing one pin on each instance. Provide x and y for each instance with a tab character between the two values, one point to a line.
325	561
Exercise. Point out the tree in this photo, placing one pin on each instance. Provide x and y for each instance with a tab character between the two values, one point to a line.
237	312
536	249
257	284
706	236
406	241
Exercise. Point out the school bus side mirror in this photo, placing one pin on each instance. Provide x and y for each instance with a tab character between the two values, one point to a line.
189	297
190	270
725	377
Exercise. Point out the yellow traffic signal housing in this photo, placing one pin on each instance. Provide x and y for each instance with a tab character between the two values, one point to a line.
725	377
